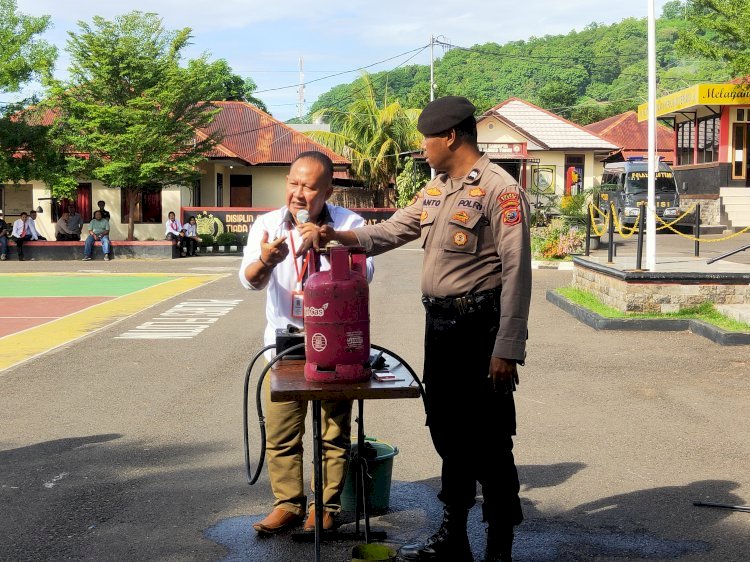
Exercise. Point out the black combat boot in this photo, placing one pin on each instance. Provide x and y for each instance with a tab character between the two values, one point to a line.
449	544
499	543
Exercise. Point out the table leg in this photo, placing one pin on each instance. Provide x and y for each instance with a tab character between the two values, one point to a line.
318	464
361	467
356	467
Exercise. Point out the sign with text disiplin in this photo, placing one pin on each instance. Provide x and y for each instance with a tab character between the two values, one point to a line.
239	220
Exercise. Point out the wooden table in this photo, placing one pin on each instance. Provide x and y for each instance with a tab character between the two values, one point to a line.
288	383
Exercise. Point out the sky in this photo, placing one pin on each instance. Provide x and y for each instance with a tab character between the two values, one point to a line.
265	40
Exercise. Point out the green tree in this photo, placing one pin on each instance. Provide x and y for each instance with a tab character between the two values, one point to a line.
373	136
23	57
719	30
129	108
224	84
673	9
411	179
559	97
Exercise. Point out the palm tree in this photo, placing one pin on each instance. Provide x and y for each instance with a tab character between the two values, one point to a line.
372	136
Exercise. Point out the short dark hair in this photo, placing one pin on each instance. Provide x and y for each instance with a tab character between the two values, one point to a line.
23	213
320	158
191	217
467	129
100	202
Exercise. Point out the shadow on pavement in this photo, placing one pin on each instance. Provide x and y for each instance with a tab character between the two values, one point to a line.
98	498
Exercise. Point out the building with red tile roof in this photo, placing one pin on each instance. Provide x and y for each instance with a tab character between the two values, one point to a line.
248	168
547	153
627	132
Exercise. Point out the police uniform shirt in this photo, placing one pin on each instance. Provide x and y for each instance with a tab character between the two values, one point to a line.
475	236
283	278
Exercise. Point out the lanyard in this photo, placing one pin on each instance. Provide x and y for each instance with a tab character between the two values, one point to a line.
300	274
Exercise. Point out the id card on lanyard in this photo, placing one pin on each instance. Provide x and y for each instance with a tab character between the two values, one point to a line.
298	301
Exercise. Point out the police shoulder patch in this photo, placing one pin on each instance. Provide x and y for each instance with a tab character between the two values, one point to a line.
423	216
462	216
511	216
416	198
508	199
510	208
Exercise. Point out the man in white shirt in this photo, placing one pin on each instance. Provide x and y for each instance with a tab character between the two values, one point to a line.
32	221
174	231
23	230
270	261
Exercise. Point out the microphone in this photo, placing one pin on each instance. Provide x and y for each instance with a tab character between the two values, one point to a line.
303	216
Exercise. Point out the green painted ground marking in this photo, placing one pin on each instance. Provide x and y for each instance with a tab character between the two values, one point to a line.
77	285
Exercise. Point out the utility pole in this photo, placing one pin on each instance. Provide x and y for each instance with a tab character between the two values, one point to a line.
432	67
301	90
652	162
432	83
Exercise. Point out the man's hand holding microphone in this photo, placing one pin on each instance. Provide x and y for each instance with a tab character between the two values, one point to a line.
313	236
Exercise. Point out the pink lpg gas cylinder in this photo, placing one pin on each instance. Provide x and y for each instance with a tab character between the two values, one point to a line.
337	319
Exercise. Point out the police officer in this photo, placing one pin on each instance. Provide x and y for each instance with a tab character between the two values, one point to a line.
473	220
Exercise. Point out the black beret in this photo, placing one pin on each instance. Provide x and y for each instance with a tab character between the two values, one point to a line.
443	114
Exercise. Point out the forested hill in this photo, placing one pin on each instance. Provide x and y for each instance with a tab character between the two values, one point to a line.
585	76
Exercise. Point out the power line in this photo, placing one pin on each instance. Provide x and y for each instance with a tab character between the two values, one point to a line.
339	73
415	52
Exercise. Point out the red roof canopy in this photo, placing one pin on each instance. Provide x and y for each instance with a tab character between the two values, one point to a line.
624	130
252	135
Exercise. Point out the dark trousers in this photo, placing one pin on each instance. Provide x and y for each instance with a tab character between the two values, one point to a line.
19	243
192	245
64	237
470	424
182	241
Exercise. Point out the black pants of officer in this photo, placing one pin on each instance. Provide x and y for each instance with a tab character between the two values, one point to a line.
471	425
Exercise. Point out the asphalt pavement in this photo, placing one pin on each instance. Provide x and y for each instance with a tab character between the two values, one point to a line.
131	449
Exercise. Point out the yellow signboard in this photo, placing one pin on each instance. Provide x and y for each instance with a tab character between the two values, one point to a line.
700	94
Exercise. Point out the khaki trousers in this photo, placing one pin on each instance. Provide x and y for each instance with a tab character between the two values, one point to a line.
285	426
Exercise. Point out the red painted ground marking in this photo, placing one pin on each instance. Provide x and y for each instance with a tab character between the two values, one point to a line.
22	313
11	326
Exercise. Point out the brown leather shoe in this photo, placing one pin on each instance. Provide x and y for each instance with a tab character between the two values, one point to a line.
329	521
277	521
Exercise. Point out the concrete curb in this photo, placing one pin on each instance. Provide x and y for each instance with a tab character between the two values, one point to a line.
221	249
598	322
562	265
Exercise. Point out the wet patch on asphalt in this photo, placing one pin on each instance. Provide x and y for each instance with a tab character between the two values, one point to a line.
415	513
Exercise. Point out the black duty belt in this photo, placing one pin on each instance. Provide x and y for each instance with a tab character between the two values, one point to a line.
459	306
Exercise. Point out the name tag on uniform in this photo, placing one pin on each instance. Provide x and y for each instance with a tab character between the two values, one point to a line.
298	304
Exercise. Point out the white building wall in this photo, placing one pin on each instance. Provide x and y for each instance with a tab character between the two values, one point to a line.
269	184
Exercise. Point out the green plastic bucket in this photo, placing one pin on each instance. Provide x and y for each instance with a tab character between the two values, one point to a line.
378	484
373	553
